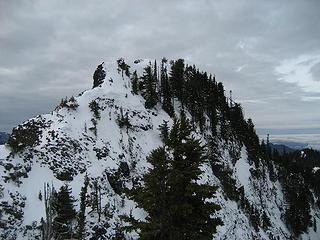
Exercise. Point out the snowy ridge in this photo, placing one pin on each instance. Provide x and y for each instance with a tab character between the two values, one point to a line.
68	146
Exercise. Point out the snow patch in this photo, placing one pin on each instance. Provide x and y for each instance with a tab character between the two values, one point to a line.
242	168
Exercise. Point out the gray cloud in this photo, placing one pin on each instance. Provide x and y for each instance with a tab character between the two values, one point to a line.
315	70
49	49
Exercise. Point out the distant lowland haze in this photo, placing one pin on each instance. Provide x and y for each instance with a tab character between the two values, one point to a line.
294	138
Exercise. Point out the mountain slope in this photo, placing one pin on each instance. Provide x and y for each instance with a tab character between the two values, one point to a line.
85	135
281	148
3	137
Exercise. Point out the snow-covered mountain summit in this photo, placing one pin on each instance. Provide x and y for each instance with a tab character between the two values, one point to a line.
106	133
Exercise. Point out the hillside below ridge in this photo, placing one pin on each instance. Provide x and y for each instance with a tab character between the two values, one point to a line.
84	136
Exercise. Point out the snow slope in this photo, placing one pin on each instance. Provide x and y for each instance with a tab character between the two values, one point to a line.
67	145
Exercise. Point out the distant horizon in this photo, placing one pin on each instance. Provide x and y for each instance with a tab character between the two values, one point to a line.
280	131
298	137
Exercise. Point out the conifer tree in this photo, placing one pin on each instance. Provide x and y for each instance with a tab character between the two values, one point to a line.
176	204
177	78
150	94
297	212
81	215
166	90
212	105
155	77
96	199
164	131
187	205
134	83
65	213
152	197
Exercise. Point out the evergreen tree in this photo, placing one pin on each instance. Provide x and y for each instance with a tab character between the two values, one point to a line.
155	77
211	103
152	197
150	94
177	78
98	76
297	212
134	83
164	131
65	213
176	204
81	215
251	139
221	96
189	211
166	90
269	150
96	199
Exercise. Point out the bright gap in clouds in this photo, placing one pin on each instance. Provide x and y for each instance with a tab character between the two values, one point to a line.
298	71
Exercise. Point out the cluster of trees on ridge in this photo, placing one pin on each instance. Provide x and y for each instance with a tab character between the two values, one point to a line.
204	98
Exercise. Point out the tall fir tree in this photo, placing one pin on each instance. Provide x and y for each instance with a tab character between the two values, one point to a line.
152	197
156	77
82	216
212	105
176	204
65	214
150	93
164	131
96	199
166	90
190	212
134	83
177	78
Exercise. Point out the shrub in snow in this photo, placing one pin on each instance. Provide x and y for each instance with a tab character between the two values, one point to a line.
26	135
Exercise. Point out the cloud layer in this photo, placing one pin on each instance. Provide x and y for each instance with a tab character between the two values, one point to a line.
266	52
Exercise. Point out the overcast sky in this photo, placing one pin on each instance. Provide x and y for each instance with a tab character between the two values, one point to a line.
267	52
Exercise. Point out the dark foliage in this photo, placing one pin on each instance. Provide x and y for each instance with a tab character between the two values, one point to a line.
149	81
175	203
166	90
26	135
298	177
99	76
118	177
83	204
134	83
65	214
123	67
95	109
123	120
